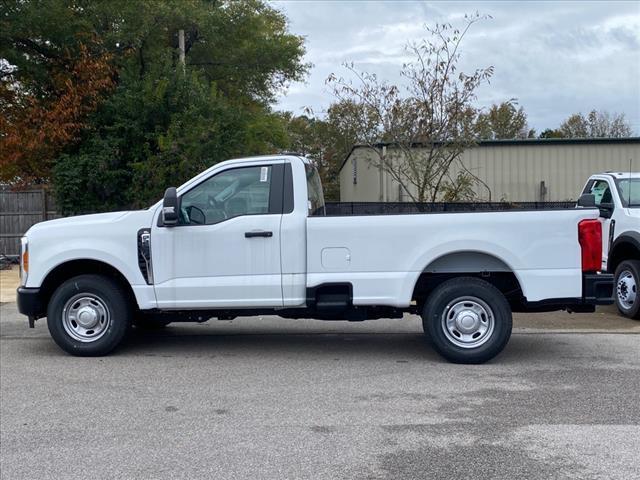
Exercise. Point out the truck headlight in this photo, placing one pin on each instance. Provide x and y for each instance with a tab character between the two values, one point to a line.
24	261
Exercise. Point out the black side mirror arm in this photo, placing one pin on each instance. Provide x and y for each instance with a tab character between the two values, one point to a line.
606	210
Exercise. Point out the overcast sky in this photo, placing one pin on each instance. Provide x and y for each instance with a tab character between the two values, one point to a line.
556	58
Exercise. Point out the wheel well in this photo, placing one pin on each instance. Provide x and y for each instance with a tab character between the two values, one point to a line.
506	282
625	250
468	264
67	270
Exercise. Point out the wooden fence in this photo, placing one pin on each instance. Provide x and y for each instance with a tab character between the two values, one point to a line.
18	211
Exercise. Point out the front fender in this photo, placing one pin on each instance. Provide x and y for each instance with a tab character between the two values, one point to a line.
45	261
625	241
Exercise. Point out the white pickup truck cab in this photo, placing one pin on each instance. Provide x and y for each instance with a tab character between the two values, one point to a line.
251	237
617	195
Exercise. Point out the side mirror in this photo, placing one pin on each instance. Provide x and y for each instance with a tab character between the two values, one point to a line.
587	200
196	215
170	207
606	210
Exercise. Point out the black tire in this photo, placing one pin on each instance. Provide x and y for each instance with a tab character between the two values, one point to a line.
105	302
470	297
145	323
625	269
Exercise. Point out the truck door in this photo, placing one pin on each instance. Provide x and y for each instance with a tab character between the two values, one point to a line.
225	250
603	193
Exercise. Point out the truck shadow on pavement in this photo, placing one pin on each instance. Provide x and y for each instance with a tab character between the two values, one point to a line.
403	346
189	341
400	347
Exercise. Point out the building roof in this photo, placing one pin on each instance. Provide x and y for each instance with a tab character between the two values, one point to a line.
518	142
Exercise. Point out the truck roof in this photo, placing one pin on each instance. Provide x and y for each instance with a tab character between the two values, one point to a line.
278	156
619	175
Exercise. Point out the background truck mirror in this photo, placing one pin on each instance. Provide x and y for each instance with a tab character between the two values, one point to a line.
587	200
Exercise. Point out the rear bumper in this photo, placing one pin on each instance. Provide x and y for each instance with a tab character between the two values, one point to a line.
30	302
597	289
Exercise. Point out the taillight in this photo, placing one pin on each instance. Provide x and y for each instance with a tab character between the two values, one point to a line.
590	238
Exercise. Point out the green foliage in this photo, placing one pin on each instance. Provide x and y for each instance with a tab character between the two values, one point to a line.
551	133
154	133
243	46
326	140
164	121
503	121
596	125
459	189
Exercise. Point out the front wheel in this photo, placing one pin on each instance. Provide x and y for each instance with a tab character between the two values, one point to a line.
627	278
89	315
468	320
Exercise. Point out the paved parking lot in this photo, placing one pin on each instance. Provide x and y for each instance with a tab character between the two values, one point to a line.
273	398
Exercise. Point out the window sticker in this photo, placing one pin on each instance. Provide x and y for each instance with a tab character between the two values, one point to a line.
264	174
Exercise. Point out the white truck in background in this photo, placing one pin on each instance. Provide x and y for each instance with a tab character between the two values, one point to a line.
251	237
617	195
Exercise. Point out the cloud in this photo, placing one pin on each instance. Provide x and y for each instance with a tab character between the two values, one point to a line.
557	58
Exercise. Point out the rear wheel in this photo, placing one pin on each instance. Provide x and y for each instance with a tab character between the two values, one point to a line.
468	320
89	315
627	278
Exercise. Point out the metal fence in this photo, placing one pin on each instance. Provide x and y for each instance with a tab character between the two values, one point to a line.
19	210
391	208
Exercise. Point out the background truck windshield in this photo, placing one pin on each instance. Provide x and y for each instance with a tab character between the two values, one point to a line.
629	191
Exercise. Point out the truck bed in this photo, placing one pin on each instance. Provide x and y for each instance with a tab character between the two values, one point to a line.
383	255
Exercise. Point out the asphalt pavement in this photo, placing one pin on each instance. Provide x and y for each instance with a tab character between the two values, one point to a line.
268	398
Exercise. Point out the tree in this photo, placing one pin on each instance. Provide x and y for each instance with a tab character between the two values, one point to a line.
596	125
160	121
243	46
327	141
314	138
434	109
551	133
34	128
503	121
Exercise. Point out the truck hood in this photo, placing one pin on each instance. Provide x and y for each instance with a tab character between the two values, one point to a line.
88	222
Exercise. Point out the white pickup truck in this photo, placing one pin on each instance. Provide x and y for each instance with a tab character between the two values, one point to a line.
251	237
617	195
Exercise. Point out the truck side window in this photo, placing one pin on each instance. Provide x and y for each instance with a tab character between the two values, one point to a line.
601	191
235	192
314	191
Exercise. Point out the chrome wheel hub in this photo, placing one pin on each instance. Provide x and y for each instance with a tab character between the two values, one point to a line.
626	289
85	317
468	322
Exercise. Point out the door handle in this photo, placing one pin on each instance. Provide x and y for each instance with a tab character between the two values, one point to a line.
258	233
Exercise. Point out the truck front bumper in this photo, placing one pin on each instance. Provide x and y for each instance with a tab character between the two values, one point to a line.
597	289
30	303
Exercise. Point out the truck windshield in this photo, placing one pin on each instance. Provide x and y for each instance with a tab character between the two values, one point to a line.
314	191
629	189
